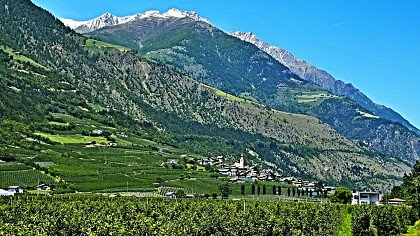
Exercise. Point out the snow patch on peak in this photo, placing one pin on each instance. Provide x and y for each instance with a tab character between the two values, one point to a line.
72	23
107	19
175	13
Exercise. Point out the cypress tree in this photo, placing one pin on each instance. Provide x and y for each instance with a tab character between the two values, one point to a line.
243	189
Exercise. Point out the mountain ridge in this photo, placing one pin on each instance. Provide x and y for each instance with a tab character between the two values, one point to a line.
322	78
213	57
298	66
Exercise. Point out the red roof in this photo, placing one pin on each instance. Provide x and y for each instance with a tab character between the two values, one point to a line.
396	200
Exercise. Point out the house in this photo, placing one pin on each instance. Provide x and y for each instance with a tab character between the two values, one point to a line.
43	187
112	144
170	195
5	193
370	198
172	161
97	132
395	201
90	144
121	135
15	189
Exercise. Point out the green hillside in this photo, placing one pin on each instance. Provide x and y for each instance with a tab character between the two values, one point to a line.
52	113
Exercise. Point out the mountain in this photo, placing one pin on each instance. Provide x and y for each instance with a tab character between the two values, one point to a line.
108	19
215	58
325	80
73	85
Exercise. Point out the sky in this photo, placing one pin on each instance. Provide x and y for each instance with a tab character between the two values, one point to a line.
375	45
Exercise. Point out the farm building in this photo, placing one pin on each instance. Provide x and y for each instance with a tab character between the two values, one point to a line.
43	187
172	161
15	189
170	195
5	193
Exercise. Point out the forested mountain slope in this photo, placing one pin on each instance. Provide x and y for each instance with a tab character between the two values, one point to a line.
211	56
46	68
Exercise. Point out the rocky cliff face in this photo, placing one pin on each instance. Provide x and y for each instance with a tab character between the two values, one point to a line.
325	80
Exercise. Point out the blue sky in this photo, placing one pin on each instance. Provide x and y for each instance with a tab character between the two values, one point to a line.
375	45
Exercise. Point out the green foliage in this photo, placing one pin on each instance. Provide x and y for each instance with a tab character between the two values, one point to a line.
342	195
180	194
69	215
225	191
380	220
410	188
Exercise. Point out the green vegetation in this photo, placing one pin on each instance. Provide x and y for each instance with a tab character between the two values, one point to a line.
12	174
75	214
99	46
381	220
312	97
78	215
67	139
410	188
342	195
19	57
413	230
346	226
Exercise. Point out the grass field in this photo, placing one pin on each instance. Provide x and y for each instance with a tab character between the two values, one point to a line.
20	58
72	139
314	97
99	46
231	97
58	123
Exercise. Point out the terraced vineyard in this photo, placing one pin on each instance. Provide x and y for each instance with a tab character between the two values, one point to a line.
22	175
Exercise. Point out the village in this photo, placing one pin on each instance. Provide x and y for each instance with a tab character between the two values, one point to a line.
240	173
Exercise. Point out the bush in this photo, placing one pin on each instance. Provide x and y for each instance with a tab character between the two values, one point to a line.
342	195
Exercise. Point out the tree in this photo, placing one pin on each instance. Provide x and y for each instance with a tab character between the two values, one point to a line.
298	192
258	190
410	188
279	190
342	195
214	195
225	191
253	189
242	189
264	190
180	194
288	192
294	192
274	190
